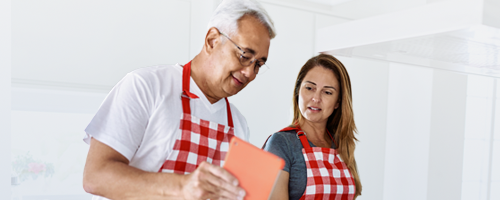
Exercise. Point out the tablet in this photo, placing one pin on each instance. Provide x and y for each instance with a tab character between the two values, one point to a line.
256	170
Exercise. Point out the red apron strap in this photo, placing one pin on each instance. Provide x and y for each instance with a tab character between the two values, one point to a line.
333	140
186	108
186	74
300	134
229	115
296	128
186	77
303	139
186	94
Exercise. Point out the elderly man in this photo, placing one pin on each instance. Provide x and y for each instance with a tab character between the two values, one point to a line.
163	131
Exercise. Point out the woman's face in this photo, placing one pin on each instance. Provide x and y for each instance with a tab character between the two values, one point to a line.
319	95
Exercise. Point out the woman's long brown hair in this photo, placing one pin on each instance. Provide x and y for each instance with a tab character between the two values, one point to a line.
341	122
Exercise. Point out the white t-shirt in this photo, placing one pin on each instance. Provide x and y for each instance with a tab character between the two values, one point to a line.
142	112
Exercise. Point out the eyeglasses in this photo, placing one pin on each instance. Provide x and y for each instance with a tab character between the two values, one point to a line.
247	59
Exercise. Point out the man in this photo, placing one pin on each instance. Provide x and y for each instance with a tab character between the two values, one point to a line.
176	119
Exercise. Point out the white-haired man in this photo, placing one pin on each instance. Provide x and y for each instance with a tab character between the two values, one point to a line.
176	119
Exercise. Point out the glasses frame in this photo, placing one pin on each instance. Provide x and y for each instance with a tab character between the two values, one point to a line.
263	68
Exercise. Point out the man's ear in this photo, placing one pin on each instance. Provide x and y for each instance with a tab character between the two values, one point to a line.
212	39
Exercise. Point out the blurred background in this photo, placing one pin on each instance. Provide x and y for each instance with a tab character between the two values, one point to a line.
428	122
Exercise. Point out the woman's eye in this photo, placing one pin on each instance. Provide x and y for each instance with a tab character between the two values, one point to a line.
308	88
328	93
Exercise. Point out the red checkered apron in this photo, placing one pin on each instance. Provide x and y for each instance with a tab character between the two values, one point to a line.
199	140
327	175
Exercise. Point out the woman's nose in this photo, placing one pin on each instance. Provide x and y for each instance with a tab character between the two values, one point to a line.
316	97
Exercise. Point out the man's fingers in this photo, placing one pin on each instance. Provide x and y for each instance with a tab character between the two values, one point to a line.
220	172
213	188
222	196
225	194
224	188
225	183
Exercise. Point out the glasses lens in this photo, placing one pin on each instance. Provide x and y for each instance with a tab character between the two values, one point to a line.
262	69
246	59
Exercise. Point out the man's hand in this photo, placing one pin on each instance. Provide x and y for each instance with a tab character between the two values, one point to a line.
108	173
211	182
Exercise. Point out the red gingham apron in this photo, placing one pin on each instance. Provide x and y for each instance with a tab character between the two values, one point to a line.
327	175
199	140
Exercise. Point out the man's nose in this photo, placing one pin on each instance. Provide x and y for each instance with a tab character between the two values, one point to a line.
248	71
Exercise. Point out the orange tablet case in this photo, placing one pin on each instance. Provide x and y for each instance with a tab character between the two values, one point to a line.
256	169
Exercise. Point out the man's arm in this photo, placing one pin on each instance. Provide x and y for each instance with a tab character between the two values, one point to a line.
108	174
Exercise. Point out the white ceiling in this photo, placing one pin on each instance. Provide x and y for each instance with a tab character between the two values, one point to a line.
355	9
329	2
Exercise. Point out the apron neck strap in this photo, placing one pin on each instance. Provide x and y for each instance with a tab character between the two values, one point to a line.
229	115
302	135
303	139
187	95
186	77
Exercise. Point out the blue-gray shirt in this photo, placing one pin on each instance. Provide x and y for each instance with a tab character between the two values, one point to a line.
287	146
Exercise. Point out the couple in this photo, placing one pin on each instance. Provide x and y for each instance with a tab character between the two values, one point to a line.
177	120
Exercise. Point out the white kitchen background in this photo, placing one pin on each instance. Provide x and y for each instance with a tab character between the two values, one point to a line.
424	133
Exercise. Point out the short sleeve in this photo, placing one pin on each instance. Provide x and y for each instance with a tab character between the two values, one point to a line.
241	126
247	134
280	146
122	119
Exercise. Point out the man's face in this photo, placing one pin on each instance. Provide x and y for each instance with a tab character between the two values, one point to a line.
229	76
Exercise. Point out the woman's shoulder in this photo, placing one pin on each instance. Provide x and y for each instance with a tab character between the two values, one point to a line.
282	139
286	133
283	136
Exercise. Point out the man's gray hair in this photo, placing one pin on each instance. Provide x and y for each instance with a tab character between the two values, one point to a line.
228	13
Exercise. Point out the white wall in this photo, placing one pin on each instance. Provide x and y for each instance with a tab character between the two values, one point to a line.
5	97
96	42
495	151
54	141
357	9
447	132
424	133
408	126
370	87
47	125
478	134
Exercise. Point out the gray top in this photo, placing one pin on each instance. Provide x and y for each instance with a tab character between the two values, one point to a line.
287	146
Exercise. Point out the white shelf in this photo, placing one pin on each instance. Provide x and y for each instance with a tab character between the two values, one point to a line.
452	35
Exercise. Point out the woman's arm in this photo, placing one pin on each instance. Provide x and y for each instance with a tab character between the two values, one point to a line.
280	190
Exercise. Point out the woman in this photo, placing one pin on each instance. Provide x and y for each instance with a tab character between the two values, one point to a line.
318	147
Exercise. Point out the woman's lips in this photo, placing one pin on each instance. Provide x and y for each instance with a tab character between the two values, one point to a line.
314	109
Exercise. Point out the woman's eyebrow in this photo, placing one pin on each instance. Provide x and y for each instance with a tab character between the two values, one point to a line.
323	87
330	87
310	82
